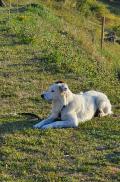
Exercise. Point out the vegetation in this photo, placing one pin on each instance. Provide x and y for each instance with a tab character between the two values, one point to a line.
42	42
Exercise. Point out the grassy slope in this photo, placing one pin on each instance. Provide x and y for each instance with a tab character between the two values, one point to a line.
32	56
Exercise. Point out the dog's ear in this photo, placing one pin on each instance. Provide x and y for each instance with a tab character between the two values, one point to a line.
60	81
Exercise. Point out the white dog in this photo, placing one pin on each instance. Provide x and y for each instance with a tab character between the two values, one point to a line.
73	108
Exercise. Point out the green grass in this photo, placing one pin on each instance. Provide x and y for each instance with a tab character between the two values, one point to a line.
40	45
88	153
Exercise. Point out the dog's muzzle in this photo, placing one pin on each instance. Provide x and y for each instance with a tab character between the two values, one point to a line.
45	97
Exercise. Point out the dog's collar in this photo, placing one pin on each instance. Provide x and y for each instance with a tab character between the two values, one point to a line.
63	107
61	110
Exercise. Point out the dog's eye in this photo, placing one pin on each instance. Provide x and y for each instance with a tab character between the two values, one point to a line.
52	91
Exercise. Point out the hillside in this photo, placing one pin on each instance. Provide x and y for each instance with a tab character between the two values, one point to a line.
45	41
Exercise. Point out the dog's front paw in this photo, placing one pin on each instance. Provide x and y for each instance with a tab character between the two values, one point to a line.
45	127
37	126
34	126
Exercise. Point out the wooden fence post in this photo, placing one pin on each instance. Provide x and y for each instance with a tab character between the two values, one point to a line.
102	32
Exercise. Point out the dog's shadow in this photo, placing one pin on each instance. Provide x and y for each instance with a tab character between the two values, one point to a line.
13	124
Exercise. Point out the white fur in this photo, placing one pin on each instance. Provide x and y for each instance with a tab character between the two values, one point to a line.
74	108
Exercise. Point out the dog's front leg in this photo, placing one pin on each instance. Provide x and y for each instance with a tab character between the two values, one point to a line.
72	122
49	120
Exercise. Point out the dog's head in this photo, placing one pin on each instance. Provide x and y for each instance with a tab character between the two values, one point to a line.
56	91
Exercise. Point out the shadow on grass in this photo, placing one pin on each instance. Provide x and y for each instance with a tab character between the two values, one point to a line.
46	64
23	8
20	9
113	6
113	157
10	39
17	124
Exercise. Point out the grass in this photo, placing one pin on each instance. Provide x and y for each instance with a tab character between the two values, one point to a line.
40	45
88	153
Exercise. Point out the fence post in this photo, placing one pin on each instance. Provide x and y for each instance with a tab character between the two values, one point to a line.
102	32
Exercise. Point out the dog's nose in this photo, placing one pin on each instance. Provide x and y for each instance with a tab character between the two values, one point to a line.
42	95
